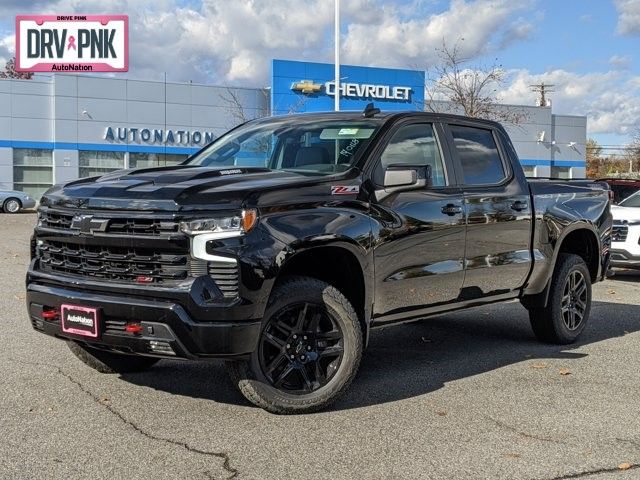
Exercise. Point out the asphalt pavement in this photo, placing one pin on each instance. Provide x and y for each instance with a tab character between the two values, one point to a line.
467	395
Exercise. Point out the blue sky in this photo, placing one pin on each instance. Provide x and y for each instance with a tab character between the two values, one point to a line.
587	48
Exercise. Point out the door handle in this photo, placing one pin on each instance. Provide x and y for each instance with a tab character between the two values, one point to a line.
451	209
519	206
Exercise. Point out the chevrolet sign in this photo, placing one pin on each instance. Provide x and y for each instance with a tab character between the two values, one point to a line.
355	90
365	90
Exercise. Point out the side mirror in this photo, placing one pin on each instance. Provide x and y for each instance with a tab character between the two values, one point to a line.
400	177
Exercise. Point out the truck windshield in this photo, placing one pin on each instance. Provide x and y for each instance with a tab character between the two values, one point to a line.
632	201
307	146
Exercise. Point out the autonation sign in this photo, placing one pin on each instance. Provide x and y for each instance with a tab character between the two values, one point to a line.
72	43
158	136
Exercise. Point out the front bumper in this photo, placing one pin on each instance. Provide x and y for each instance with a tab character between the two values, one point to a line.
167	328
626	253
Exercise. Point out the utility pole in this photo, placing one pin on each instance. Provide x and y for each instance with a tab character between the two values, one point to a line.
542	89
336	95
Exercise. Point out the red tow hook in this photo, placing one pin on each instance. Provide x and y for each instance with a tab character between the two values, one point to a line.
50	314
134	328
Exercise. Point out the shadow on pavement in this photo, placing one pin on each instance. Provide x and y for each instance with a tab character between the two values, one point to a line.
630	276
417	358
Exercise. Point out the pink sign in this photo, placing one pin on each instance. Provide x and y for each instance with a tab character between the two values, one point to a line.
72	43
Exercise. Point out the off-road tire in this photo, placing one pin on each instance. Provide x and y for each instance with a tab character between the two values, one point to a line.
548	322
247	375
109	362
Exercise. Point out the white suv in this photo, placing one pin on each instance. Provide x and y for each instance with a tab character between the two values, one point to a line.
625	240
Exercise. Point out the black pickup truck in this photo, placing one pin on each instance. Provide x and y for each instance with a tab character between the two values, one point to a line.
279	246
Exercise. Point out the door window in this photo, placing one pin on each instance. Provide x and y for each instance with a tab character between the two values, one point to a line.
415	145
478	154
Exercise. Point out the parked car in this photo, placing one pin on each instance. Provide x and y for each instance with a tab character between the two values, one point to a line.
356	221
13	201
625	239
621	187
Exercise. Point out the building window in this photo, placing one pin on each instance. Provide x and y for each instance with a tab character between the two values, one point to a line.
560	172
93	163
529	171
32	170
146	160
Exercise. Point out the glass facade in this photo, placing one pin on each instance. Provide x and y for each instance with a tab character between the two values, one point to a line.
32	170
146	160
93	163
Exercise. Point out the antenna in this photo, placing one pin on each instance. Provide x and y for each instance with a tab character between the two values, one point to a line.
542	89
370	111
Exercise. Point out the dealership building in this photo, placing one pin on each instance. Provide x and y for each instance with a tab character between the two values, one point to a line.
64	126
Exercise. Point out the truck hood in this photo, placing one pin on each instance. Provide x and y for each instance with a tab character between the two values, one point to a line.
625	214
174	188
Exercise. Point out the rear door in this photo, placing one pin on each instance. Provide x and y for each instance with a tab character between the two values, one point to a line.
419	249
497	209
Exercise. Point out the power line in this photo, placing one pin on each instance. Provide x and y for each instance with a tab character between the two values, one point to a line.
542	88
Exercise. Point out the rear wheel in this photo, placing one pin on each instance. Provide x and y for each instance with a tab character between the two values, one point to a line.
109	362
567	311
11	205
309	349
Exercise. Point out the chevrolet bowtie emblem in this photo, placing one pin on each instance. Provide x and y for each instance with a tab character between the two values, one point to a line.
306	86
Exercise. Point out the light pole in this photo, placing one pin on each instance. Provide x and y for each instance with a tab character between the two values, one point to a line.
336	95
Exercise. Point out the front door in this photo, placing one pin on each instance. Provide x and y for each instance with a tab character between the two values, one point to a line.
420	234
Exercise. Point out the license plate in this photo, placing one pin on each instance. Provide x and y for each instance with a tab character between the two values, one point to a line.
79	320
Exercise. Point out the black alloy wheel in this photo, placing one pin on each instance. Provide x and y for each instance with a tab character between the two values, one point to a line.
574	300
301	348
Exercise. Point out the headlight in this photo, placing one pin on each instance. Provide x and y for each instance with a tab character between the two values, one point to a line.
241	223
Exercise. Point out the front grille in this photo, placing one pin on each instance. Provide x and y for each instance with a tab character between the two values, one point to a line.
225	275
148	227
114	263
619	233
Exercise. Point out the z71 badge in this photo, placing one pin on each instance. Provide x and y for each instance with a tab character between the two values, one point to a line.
345	189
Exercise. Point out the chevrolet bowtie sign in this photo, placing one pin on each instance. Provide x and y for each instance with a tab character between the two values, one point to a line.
355	90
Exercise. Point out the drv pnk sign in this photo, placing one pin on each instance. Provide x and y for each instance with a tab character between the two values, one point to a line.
72	43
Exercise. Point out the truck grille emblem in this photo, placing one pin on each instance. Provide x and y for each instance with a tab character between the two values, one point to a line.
87	225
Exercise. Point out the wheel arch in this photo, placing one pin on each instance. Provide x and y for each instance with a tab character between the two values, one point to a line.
579	239
342	264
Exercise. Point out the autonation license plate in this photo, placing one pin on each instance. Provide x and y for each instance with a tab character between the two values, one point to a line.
79	320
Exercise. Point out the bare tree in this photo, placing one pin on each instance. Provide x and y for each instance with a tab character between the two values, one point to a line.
236	108
455	87
11	72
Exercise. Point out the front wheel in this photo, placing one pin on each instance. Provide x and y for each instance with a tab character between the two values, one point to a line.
567	311
309	349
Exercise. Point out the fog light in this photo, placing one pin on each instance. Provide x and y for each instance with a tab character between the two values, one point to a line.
163	348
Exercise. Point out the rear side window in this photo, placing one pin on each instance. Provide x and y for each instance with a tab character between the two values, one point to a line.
478	153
